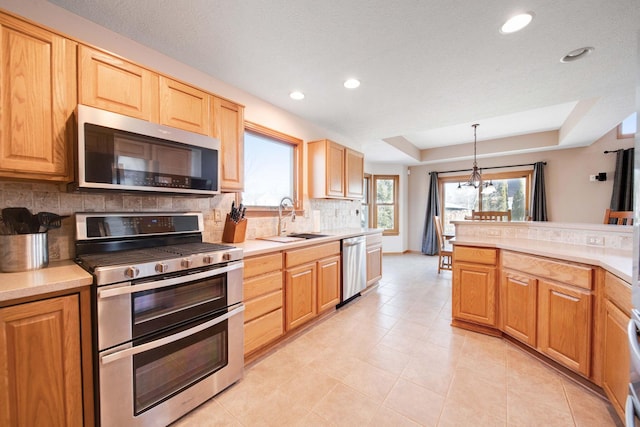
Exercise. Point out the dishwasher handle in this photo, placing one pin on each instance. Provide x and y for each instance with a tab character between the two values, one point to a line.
353	241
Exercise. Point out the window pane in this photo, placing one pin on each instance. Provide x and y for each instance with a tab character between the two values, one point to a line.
459	201
384	190
385	217
268	170
509	194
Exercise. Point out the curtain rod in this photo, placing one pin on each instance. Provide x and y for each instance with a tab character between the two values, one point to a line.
613	151
493	167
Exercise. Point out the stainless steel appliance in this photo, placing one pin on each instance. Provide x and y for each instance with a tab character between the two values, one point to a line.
117	152
168	329
354	268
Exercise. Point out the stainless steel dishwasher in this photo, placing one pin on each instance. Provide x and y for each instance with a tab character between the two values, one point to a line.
354	268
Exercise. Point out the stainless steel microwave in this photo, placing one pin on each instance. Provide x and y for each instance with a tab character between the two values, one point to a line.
117	152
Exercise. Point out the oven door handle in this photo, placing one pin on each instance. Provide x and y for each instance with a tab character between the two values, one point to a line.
130	289
108	358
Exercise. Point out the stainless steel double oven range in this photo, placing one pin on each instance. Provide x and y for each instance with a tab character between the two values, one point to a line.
168	314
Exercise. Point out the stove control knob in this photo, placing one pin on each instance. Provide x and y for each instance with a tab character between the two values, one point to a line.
161	267
131	272
208	259
186	263
226	256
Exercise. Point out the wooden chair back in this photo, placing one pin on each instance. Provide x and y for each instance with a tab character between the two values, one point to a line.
491	215
445	251
618	217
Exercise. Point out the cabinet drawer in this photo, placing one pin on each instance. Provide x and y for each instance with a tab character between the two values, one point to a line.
475	255
261	264
374	239
262	305
618	292
261	285
263	330
312	253
573	274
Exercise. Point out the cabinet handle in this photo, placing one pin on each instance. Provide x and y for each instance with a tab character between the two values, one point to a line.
569	297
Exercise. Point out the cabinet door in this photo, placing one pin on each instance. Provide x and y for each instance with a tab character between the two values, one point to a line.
474	293
328	283
108	82
300	295
335	170
518	301
228	121
564	325
38	73
354	170
374	264
40	364
184	107
616	357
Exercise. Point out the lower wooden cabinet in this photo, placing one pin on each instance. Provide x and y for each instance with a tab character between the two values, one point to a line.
328	292
43	380
564	325
474	286
374	258
300	294
519	306
263	299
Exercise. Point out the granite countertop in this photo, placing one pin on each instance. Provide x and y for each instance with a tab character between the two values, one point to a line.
260	247
58	276
616	261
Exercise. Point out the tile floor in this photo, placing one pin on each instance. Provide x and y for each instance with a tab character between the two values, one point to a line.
390	358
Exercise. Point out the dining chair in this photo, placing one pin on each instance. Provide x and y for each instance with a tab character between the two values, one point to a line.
491	215
445	250
618	217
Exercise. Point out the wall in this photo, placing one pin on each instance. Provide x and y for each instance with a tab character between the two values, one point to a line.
571	197
396	244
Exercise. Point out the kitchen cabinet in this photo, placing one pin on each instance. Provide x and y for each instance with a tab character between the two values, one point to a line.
563	316
616	363
263	299
334	171
37	99
312	282
184	107
45	368
111	83
374	258
474	286
519	306
228	127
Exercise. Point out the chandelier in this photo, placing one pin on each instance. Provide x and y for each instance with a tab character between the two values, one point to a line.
474	178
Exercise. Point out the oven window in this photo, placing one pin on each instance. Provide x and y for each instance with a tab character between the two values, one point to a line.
164	371
164	307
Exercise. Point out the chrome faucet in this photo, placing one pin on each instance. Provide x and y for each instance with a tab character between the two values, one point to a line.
283	204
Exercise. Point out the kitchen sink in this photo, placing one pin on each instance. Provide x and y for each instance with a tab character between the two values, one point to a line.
307	235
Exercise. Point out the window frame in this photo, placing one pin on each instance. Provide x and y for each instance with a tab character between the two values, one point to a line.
396	206
297	144
367	187
527	174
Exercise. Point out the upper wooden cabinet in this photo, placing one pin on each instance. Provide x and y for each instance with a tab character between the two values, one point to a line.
228	127
184	107
334	171
111	83
37	96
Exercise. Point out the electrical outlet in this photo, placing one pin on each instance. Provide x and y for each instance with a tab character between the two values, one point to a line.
217	215
595	240
592	178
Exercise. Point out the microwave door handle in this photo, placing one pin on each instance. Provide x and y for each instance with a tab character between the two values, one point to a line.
108	358
130	289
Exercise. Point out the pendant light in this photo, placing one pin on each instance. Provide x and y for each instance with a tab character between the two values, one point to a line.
474	178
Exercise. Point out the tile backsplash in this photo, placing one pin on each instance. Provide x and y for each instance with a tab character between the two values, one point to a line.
44	197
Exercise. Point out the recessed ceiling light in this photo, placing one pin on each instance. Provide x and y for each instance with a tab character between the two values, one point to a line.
576	54
296	95
516	23
352	83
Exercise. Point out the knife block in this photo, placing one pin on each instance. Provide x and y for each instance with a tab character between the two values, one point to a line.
234	232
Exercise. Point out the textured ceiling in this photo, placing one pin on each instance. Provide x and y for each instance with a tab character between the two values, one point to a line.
429	68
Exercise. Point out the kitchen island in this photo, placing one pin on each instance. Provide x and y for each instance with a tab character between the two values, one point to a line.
562	291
